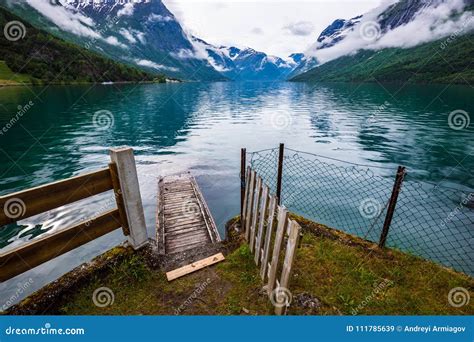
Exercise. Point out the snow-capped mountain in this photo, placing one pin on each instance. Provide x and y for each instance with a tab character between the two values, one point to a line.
336	32
246	63
394	24
143	33
330	36
394	15
147	34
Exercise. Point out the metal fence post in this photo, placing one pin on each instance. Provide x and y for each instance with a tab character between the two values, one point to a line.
280	172
243	162
391	207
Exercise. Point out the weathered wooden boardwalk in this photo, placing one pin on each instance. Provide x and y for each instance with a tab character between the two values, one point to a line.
183	218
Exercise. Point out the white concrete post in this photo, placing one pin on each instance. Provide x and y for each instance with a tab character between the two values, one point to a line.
127	173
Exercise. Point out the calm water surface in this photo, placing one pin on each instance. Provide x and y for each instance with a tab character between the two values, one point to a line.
201	127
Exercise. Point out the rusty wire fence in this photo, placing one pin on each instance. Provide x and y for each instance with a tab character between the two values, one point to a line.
425	219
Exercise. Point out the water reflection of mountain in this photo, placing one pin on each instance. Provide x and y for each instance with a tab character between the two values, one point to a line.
60	126
403	126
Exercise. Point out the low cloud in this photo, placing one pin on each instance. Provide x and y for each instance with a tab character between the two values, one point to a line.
66	20
159	18
430	24
128	35
150	64
127	10
114	41
70	20
300	28
133	36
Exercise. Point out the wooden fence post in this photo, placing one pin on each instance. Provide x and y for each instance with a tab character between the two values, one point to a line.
250	203
268	237
261	225
291	247
391	207
127	174
280	232
280	172
243	162
256	212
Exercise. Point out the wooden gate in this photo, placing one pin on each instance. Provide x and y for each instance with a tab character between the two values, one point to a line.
267	225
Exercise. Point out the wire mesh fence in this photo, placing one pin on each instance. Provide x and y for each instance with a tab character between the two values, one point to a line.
430	221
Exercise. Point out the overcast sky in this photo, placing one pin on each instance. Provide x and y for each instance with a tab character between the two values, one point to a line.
277	27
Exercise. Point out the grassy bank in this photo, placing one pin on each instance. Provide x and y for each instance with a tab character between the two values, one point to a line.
335	273
8	77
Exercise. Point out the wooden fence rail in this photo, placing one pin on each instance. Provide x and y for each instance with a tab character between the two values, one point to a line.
266	224
120	177
46	197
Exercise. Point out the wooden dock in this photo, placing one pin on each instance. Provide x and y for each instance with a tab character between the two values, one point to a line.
183	219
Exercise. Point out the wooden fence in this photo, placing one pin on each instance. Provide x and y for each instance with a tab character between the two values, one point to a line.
120	176
266	225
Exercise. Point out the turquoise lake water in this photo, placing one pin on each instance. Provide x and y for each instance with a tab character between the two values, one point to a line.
201	127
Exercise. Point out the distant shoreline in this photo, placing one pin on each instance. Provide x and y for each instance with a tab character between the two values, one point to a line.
22	84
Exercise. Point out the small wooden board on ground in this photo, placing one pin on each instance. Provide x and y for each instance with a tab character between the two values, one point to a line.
195	266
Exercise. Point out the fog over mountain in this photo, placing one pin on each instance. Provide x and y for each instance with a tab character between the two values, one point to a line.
404	24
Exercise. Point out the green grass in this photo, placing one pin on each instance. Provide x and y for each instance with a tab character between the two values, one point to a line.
344	274
223	289
9	77
359	279
441	61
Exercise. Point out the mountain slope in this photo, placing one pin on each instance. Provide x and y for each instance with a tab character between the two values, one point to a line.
140	33
39	57
370	55
330	36
428	63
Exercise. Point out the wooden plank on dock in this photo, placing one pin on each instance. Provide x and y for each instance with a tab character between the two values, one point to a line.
195	266
183	218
